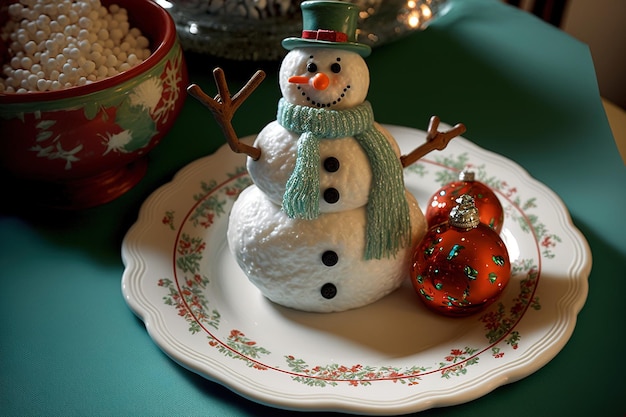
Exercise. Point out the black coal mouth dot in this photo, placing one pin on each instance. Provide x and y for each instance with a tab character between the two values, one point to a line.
324	105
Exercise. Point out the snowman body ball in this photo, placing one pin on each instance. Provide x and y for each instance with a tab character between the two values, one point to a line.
328	224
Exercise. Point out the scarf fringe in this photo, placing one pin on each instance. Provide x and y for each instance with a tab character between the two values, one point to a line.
388	218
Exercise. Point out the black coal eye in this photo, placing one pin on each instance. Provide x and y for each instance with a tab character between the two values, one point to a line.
311	67
336	68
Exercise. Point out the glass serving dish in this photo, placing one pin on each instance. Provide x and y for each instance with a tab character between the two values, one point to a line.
252	30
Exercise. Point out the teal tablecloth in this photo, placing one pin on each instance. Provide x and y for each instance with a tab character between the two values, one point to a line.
69	345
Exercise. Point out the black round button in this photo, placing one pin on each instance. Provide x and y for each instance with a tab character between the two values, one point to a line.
330	258
331	164
328	291
331	195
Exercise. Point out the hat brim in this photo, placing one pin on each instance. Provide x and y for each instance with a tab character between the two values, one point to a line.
360	48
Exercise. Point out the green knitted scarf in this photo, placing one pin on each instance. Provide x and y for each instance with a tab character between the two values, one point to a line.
388	221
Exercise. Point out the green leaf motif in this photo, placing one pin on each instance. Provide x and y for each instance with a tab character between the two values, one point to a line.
46	124
354	375
418	169
43	135
91	109
457	361
136	119
499	322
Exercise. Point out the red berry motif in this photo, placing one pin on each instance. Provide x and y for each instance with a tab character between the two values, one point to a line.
489	207
461	266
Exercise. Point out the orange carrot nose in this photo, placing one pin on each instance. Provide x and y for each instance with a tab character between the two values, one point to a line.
320	81
299	79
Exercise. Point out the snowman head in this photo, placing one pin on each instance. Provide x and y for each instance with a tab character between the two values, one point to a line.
324	78
325	66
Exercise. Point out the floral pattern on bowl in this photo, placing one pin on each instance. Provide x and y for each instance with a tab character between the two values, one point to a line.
85	145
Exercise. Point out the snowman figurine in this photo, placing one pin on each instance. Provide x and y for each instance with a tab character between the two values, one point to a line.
327	225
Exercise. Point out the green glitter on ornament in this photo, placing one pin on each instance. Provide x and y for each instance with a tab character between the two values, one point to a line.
498	260
426	296
466	293
454	251
470	272
431	248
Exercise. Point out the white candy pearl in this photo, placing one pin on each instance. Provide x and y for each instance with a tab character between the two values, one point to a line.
55	44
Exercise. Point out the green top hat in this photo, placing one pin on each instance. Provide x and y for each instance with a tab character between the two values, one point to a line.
329	24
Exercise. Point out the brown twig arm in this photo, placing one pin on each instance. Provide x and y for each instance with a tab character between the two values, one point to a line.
223	107
434	140
247	89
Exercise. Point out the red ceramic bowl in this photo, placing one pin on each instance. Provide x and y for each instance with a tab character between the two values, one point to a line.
86	145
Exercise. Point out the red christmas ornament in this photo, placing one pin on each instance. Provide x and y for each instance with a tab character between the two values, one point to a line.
460	266
440	204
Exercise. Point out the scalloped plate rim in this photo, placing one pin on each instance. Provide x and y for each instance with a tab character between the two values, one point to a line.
153	317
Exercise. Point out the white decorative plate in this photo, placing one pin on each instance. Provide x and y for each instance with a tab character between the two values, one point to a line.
390	357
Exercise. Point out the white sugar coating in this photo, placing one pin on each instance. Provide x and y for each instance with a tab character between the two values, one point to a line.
272	170
282	256
320	265
67	43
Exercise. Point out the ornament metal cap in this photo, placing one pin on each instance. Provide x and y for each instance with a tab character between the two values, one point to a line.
466	175
465	215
